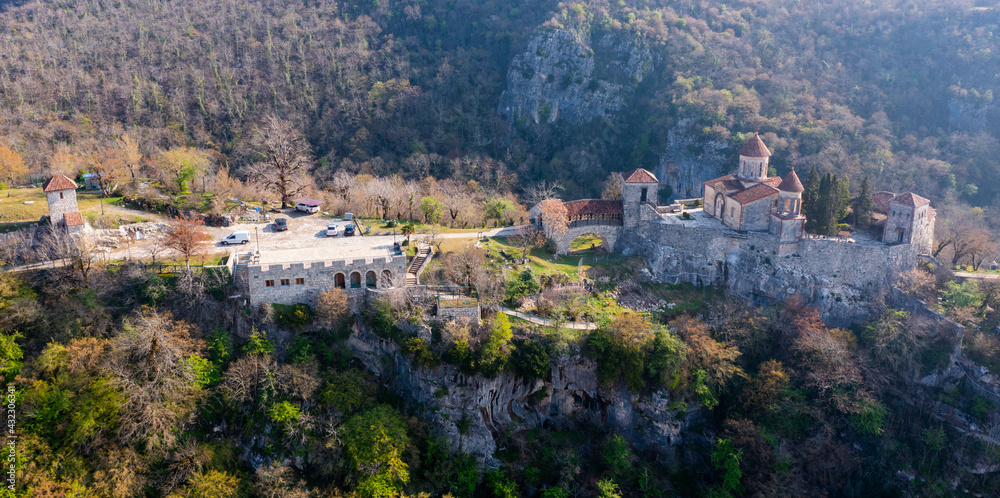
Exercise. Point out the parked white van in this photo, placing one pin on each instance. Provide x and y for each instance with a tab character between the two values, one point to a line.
237	238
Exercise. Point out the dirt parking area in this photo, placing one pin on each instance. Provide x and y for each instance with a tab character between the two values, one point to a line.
305	240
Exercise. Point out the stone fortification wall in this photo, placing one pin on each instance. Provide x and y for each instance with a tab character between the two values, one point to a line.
845	281
315	277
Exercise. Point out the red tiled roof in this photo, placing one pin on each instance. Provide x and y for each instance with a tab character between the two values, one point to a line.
73	219
773	181
910	199
882	200
640	176
713	181
755	193
791	183
593	206
755	148
58	182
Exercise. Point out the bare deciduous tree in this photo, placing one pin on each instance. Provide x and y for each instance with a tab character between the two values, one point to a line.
332	306
148	361
187	237
282	159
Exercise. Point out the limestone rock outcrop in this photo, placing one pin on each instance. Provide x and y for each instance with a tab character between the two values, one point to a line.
564	76
473	411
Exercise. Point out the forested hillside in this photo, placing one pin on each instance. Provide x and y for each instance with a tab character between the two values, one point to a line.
901	91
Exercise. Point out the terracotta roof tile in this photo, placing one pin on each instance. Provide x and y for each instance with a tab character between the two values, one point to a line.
755	193
73	219
755	148
58	182
713	181
791	183
640	176
882	200
593	206
910	199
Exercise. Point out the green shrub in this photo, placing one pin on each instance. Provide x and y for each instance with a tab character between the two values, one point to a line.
349	391
375	441
726	459
380	316
11	356
531	359
284	412
496	484
301	350
257	344
421	352
871	417
495	352
220	346
293	317
202	370
522	285
981	407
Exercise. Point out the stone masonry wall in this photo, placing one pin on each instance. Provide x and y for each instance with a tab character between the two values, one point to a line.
318	276
845	281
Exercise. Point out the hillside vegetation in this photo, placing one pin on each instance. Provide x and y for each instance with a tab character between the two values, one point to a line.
900	91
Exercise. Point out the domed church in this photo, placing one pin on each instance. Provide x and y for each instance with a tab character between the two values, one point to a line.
749	200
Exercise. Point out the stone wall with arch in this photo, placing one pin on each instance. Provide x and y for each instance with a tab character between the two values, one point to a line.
293	283
609	233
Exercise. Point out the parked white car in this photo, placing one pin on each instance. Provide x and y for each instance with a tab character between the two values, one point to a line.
306	208
237	238
332	230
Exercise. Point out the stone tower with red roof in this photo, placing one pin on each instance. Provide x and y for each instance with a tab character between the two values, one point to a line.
639	187
910	220
61	194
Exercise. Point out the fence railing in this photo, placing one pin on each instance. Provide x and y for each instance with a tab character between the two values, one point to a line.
590	223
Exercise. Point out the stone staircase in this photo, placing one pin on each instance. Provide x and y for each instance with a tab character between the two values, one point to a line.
424	255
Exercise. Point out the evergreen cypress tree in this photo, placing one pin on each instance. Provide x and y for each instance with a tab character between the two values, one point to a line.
810	200
825	204
842	201
863	205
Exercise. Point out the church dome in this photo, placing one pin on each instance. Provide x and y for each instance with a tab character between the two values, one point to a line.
791	183
755	148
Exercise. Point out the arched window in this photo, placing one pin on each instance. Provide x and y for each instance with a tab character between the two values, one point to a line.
386	280
355	280
370	279
340	281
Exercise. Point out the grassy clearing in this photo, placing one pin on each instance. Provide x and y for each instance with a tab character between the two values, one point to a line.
586	242
381	227
200	260
14	209
540	261
112	220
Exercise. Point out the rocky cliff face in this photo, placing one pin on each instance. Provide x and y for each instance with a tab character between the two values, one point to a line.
473	411
687	162
565	76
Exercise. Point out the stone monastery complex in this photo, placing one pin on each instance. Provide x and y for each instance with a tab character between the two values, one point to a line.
747	233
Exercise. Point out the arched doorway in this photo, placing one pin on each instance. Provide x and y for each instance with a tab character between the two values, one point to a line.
340	281
589	242
355	280
386	280
370	279
720	206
